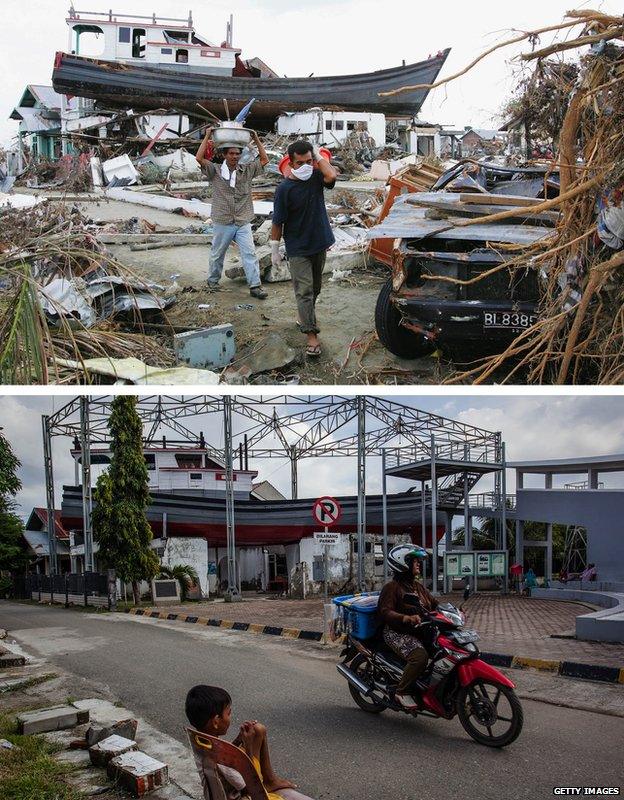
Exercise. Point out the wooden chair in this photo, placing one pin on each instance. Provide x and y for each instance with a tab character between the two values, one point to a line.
211	752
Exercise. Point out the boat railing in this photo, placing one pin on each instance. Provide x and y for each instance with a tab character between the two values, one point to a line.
114	17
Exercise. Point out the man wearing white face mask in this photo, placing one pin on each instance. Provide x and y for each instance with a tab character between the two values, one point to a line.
299	213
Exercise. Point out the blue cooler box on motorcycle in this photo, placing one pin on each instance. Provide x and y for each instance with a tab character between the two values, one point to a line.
360	613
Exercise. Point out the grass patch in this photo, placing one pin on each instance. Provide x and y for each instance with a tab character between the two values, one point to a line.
26	684
29	772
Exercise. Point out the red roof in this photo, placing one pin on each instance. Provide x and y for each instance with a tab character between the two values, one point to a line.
59	530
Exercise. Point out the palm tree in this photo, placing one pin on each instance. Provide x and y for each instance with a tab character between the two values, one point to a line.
184	574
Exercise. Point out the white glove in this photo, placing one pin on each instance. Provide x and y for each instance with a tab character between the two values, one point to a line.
276	256
316	152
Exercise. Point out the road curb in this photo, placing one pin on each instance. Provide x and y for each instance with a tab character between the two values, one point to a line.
566	669
248	627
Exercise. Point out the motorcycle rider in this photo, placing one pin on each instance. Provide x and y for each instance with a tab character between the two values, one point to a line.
396	609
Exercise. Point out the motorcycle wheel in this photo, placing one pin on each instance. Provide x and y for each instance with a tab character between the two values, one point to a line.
490	713
373	703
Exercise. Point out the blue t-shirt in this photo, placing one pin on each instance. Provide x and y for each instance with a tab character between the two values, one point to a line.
300	207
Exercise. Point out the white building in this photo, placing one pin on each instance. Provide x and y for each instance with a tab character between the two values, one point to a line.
332	127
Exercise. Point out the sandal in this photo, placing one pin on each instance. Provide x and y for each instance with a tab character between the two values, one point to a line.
313	350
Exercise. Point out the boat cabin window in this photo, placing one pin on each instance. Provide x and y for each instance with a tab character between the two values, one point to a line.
166	51
328	124
350	126
181	56
124	35
189	460
90	40
339	125
150	461
138	43
175	37
196	476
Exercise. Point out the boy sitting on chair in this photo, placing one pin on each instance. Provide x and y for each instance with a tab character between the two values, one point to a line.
209	710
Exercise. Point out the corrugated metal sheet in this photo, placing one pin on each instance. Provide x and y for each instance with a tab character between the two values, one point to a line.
406	221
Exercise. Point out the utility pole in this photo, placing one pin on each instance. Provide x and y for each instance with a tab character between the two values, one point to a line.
385	515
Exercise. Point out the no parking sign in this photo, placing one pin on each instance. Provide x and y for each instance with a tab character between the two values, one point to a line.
326	511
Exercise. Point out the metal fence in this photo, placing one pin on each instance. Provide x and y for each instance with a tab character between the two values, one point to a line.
84	589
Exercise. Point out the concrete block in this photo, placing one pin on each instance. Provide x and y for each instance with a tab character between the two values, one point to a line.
125	727
138	772
206	348
50	719
109	748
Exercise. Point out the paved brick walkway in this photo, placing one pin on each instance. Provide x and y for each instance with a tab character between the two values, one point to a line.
517	626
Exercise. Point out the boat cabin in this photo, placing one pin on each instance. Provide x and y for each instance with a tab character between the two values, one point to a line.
185	470
165	42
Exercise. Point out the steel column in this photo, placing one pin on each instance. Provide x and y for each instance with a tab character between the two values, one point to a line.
49	482
233	592
384	490
504	511
434	518
294	489
423	523
361	487
87	502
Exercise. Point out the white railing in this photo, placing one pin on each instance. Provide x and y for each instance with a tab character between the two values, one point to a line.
114	17
491	500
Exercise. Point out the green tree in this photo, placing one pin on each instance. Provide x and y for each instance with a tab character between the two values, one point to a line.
121	498
13	556
185	575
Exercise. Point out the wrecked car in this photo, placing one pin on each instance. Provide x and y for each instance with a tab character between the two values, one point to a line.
450	287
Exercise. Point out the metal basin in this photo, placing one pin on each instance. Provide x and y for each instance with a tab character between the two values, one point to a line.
226	136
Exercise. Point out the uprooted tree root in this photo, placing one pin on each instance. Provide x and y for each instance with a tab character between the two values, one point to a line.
579	336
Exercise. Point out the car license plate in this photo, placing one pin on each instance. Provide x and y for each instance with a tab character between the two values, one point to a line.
508	319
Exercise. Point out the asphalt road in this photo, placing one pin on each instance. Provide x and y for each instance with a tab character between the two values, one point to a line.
318	736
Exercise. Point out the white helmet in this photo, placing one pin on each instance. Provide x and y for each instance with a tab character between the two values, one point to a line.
401	557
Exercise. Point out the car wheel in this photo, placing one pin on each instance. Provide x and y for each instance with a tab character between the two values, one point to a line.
394	337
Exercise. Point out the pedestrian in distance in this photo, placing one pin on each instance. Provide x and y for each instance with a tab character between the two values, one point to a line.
232	208
209	710
300	215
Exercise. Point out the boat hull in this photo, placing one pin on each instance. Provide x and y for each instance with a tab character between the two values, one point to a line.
115	83
260	522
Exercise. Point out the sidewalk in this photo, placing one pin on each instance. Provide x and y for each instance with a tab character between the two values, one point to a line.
510	625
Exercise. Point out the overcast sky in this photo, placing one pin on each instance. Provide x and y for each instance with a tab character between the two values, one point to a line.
321	36
533	428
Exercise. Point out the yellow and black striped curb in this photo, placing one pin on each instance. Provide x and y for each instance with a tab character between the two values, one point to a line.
568	669
250	627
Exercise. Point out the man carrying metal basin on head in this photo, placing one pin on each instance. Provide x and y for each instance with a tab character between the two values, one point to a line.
232	204
299	212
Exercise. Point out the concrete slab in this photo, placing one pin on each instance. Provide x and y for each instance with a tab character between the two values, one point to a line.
50	719
109	748
138	772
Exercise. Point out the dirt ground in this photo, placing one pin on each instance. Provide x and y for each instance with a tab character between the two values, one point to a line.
346	308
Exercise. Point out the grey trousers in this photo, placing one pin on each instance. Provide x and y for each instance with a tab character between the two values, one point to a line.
307	277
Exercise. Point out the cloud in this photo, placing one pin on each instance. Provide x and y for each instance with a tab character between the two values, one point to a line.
542	427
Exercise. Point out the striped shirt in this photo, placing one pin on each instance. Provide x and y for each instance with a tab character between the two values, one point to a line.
232	205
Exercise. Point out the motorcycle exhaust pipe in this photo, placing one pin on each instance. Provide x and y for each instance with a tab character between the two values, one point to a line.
353	679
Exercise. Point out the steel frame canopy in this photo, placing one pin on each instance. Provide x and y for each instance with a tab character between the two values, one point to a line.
298	427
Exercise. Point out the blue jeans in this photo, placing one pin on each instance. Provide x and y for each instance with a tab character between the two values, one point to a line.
223	237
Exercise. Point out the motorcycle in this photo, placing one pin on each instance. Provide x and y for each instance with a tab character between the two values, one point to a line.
456	681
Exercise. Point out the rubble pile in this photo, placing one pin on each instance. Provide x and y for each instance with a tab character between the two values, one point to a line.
62	296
